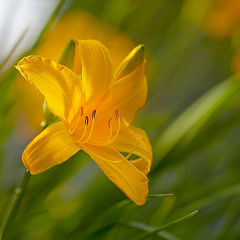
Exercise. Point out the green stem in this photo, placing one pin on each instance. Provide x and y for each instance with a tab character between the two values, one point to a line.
149	234
14	204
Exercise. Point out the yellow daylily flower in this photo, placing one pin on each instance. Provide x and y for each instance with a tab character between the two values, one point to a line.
76	24
96	107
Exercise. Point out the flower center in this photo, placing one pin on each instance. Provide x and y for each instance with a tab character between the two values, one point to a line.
90	124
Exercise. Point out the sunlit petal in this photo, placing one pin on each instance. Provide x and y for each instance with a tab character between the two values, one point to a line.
60	86
121	172
134	141
51	147
96	68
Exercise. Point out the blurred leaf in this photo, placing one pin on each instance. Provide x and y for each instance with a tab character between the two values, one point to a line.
155	231
195	117
206	201
164	209
147	228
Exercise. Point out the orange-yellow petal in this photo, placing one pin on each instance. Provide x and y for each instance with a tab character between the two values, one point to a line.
51	147
120	171
60	86
134	141
96	68
130	93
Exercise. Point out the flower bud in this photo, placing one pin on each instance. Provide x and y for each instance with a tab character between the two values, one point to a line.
135	57
68	54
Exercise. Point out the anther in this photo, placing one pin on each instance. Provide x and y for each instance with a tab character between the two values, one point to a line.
94	114
86	120
117	114
81	111
92	126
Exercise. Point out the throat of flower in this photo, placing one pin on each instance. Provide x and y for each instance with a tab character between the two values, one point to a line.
113	133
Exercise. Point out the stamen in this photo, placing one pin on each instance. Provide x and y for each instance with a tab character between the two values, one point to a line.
94	114
92	126
110	129
118	128
134	148
117	114
85	128
109	123
86	120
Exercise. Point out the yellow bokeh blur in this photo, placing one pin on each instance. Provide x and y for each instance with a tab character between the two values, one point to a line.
223	18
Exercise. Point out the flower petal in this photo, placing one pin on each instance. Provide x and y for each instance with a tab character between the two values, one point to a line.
51	147
135	141
120	171
60	86
130	93
96	68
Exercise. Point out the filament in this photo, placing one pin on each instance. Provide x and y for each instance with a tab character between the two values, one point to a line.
112	134
92	126
85	128
81	111
118	129
110	129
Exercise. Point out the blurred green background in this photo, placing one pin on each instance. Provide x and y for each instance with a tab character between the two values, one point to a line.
192	117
